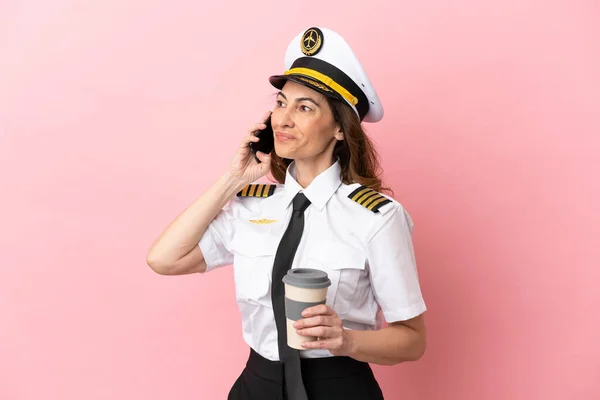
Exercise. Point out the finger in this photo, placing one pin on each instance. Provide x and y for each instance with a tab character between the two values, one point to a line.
322	344
264	158
266	116
247	139
319	331
251	136
321	309
261	125
318	320
256	127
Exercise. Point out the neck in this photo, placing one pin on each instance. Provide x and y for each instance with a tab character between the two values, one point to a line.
308	170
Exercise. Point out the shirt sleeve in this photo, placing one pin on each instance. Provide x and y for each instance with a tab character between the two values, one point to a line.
393	269
215	244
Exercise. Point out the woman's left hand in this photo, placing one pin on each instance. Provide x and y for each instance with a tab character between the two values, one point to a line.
324	323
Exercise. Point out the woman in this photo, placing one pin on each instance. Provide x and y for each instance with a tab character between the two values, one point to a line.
327	185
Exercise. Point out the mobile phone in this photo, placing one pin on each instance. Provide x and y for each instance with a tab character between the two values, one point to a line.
266	142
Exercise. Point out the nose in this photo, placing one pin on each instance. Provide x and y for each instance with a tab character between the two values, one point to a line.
282	117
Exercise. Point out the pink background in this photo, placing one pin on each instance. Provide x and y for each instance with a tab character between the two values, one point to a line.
115	115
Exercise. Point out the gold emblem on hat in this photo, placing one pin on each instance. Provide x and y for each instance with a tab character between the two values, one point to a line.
311	41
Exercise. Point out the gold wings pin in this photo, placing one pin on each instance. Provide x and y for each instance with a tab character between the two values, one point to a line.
263	221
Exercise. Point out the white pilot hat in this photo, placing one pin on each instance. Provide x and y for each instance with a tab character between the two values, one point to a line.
322	60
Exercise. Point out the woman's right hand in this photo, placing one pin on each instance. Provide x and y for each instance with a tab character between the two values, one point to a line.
243	166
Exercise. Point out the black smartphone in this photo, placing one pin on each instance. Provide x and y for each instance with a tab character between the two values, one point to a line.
266	142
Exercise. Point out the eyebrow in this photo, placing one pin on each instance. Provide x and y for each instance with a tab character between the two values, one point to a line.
299	99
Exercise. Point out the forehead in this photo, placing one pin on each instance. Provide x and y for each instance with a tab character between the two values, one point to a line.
293	90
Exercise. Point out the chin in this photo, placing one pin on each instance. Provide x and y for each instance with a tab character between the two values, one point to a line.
281	153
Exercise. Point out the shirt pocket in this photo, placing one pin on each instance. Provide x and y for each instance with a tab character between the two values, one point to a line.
344	265
253	256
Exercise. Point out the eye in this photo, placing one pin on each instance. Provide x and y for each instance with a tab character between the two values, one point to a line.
305	108
279	103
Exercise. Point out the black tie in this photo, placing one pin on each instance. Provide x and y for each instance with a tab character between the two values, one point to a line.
283	261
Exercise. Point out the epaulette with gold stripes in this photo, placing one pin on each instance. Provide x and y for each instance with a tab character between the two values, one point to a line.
369	198
257	190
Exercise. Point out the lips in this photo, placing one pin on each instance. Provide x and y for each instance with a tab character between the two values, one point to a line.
281	136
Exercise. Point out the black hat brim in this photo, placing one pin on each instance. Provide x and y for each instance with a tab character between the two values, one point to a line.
278	81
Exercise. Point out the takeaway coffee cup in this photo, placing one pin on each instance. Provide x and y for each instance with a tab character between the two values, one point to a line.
304	288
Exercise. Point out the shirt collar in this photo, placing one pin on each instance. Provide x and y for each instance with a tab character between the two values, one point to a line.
320	189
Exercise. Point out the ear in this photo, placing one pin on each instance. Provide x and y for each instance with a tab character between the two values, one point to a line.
339	135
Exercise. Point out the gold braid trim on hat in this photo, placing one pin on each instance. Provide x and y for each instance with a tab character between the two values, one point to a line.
317	84
326	81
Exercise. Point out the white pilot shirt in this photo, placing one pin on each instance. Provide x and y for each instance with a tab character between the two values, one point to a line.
368	256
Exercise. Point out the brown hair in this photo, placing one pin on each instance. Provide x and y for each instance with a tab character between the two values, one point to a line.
357	155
